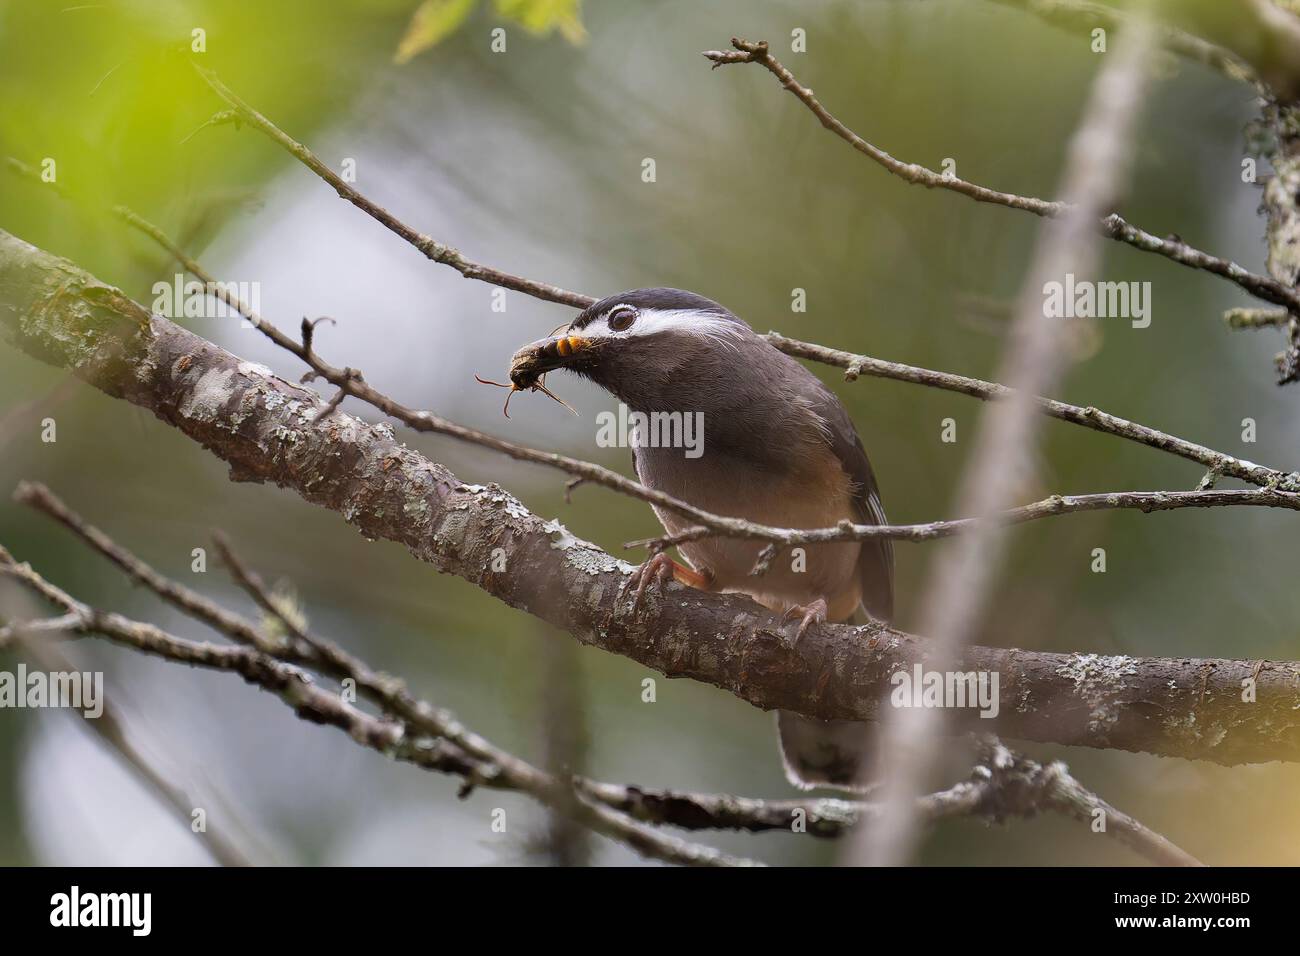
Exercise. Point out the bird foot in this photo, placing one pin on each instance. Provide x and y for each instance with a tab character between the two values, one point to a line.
658	570
807	615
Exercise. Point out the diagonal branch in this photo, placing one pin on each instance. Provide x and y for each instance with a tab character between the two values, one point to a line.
1219	462
351	382
267	430
453	751
1113	225
1144	501
430	248
854	365
1002	784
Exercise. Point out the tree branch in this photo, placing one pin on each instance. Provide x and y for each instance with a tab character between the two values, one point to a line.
351	382
454	750
1002	785
429	247
1088	417
854	365
265	428
1112	226
1144	501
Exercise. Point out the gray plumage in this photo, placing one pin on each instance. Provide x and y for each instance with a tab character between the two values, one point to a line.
778	448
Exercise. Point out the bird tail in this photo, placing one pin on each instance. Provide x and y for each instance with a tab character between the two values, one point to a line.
823	753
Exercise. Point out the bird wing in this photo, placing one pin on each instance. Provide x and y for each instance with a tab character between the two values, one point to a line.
876	558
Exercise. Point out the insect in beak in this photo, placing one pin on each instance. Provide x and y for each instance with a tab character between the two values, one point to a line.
530	364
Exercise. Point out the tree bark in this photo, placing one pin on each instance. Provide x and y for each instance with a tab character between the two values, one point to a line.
265	428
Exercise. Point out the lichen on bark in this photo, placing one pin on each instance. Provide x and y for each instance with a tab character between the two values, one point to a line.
271	430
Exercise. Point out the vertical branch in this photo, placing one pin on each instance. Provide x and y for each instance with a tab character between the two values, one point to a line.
563	721
1281	206
1004	448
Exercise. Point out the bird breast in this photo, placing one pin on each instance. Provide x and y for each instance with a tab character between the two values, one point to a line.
814	492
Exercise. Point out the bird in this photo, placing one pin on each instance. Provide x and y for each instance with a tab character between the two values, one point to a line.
778	448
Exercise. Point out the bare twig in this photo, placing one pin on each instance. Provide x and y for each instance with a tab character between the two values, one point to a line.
1112	225
454	750
252	585
432	249
1002	784
351	382
1144	501
1086	416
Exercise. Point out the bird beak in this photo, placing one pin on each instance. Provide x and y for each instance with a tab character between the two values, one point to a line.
537	358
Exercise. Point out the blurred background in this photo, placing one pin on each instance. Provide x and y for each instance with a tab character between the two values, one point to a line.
531	160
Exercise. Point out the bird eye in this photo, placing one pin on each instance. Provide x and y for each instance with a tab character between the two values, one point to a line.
621	318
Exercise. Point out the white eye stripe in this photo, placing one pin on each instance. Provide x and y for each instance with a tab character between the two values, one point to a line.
651	321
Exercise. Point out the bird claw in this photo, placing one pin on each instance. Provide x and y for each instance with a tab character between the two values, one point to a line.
808	615
658	569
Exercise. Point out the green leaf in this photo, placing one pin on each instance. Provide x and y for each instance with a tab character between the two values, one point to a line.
543	16
432	21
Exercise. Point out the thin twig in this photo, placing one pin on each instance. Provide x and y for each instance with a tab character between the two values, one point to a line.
1002	784
1144	501
351	381
1113	225
446	752
252	585
1086	416
432	249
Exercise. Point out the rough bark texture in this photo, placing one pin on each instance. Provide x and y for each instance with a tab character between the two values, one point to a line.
265	428
1281	206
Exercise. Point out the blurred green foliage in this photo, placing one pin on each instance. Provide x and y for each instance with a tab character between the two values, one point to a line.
434	20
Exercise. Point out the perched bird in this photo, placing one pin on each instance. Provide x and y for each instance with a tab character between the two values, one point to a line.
778	448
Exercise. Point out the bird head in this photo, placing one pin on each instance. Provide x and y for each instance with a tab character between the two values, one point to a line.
638	344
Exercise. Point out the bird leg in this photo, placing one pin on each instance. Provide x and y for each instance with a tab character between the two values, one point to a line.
658	569
808	614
